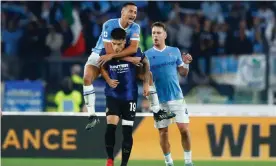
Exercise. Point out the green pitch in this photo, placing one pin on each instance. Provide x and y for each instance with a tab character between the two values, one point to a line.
96	162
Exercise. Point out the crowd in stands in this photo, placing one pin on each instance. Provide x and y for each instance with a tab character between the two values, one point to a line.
34	32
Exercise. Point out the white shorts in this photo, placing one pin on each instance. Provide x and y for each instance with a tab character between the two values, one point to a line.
93	59
178	107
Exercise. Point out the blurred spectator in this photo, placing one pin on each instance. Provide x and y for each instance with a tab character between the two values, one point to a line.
67	35
54	41
67	99
208	42
265	12
242	43
184	34
258	47
10	37
76	77
212	10
270	34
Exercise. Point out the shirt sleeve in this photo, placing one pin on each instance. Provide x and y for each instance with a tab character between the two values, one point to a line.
106	32
135	33
179	60
103	52
139	53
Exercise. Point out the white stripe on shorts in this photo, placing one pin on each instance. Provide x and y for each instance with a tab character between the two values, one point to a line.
127	122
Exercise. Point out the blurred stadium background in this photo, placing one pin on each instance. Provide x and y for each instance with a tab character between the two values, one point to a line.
230	90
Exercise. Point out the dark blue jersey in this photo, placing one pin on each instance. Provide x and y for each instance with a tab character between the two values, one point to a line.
125	72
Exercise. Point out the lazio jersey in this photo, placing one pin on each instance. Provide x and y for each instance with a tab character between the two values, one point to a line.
133	33
163	65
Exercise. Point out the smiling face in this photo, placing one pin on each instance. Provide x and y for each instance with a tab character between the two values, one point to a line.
129	14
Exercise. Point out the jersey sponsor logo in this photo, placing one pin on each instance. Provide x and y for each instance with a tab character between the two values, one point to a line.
122	68
163	64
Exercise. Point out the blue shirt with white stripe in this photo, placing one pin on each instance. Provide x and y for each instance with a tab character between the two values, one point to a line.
133	33
163	65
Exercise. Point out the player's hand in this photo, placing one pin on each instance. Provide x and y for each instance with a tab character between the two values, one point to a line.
113	83
104	58
146	90
136	61
187	58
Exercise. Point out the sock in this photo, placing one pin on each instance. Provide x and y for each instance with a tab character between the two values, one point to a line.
110	140
168	158
89	98
127	144
153	98
188	156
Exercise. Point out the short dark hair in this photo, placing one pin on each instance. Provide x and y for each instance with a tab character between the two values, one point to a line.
118	34
129	3
159	24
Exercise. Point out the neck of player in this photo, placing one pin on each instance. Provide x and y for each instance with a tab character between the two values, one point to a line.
160	46
123	23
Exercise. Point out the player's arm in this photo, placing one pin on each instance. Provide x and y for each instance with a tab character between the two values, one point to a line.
131	49
146	72
183	63
112	83
182	70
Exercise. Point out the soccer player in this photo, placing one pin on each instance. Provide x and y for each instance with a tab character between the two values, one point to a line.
165	64
91	70
121	95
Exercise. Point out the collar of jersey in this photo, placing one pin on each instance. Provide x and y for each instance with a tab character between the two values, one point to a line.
160	50
119	20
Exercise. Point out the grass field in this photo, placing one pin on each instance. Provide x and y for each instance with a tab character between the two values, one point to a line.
96	162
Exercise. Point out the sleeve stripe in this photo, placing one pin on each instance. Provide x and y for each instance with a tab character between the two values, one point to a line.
138	39
105	40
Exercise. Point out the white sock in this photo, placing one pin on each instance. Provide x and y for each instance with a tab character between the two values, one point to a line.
153	98
89	98
188	156
168	158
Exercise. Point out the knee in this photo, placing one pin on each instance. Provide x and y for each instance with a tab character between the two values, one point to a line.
184	131
163	133
87	79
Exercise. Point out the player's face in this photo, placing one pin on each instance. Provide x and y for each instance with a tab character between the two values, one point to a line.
158	35
129	13
118	45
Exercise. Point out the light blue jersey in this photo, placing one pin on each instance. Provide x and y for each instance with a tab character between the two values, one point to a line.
133	33
163	65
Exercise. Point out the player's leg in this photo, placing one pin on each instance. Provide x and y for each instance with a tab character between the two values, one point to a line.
128	117
186	142
162	127
165	145
91	72
154	101
112	118
182	121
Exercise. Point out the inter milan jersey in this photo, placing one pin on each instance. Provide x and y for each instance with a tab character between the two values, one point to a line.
125	72
132	31
163	65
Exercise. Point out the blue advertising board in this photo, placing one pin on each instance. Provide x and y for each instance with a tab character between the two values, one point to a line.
23	96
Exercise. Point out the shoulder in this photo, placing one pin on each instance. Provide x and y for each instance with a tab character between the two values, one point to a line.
148	51
110	22
135	26
173	49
